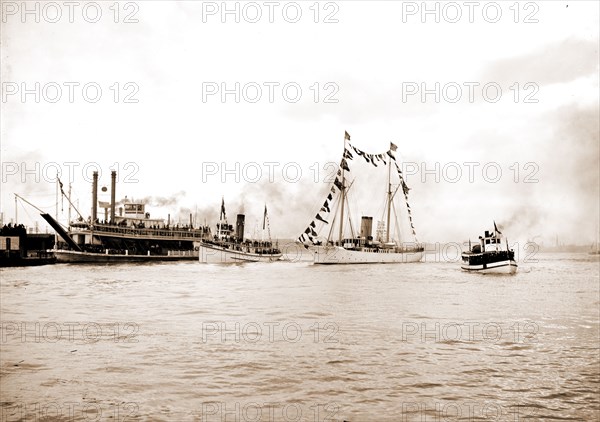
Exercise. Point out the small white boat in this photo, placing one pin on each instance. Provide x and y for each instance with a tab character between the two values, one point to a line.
489	255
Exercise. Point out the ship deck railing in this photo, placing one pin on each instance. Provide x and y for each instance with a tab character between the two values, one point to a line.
149	232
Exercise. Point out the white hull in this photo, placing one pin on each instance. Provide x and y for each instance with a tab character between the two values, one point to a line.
339	255
212	254
501	267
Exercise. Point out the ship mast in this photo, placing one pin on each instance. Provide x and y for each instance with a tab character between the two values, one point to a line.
389	202
342	198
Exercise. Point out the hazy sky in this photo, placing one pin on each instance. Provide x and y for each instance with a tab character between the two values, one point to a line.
363	74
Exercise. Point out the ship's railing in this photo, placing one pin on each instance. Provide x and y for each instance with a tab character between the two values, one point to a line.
149	232
183	253
255	247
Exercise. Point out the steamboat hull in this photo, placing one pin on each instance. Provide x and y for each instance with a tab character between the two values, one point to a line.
339	255
75	257
213	254
499	267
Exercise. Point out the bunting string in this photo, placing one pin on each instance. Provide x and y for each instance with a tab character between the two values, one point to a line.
373	159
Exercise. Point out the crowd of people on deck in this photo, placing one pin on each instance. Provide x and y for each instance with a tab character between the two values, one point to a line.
13	230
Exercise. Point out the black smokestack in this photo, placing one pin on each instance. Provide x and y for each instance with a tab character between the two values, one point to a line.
94	197
113	187
366	227
239	226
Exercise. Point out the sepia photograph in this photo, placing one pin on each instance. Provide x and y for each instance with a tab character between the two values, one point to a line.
299	211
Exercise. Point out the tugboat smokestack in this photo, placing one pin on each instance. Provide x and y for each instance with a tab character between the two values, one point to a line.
239	226
94	197
113	186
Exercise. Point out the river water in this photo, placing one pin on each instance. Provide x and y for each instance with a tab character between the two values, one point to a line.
292	341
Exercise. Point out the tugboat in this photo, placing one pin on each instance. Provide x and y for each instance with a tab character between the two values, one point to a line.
490	256
229	246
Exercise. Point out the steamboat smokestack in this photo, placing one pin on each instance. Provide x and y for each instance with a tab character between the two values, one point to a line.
94	197
366	227
239	226
113	186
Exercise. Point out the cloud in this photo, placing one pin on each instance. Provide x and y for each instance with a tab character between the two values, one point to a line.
560	62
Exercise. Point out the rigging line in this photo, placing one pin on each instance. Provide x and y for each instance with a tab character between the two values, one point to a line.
395	192
397	228
349	210
39	210
69	200
337	205
26	212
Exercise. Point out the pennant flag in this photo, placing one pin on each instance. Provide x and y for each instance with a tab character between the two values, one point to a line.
314	233
366	157
348	154
318	217
326	206
404	187
307	231
344	165
391	155
338	184
60	184
333	189
393	146
330	197
339	172
346	136
496	228
312	224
